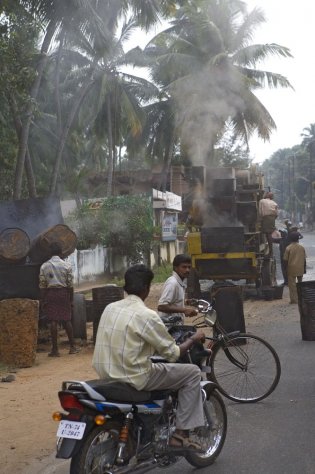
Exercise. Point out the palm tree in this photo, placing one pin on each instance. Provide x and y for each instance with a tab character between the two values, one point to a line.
98	91
51	14
58	15
206	62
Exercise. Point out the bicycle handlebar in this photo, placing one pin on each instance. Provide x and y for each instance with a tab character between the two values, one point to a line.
203	306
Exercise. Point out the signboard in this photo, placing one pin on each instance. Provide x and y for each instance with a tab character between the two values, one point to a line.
166	200
173	201
169	226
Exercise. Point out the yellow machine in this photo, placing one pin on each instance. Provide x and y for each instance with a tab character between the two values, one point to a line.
225	241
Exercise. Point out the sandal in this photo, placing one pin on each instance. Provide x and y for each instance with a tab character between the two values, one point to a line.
186	444
53	354
74	350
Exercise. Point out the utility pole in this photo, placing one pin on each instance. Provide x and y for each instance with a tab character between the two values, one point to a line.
293	189
289	188
311	186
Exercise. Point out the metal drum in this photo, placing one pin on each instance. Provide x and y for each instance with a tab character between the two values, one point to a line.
103	296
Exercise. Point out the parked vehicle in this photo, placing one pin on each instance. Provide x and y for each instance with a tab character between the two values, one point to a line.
110	427
225	240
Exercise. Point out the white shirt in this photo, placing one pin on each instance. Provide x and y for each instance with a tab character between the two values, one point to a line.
173	293
268	207
56	273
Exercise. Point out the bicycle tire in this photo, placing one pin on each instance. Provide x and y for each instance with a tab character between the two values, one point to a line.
245	367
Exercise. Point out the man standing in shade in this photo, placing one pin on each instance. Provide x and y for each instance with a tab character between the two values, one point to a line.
295	260
268	212
56	287
172	300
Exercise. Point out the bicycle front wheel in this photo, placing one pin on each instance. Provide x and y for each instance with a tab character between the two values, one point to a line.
245	367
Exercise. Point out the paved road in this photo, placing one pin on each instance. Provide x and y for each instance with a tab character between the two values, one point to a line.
275	436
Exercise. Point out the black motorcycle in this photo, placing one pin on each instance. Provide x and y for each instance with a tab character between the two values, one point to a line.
110	427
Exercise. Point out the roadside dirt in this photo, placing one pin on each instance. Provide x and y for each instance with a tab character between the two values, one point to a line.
27	432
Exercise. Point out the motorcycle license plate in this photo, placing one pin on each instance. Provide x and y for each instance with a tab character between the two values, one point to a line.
71	429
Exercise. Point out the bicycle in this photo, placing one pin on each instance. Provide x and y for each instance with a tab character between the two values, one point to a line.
245	367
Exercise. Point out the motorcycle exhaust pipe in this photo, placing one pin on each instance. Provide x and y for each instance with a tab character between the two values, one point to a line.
140	469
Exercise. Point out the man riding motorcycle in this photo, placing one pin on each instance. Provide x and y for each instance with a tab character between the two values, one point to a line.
129	334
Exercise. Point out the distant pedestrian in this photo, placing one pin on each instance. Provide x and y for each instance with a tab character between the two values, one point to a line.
268	212
295	260
294	228
56	287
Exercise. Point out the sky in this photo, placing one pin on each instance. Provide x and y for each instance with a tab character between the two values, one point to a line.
288	24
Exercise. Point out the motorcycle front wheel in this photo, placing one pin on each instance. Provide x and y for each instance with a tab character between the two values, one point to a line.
212	435
98	450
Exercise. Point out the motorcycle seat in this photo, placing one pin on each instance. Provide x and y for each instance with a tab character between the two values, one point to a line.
123	392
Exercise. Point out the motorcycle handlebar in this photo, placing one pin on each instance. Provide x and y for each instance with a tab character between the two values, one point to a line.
171	319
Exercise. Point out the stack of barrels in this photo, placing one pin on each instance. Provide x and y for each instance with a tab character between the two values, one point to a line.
21	258
20	261
16	246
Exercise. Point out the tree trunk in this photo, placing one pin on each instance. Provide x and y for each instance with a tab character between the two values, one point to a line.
167	163
23	139
66	129
110	149
28	162
30	175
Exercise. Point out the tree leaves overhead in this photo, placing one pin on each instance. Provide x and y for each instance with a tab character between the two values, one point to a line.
206	62
94	108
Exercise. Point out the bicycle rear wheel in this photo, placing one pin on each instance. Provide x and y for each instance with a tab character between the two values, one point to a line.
245	367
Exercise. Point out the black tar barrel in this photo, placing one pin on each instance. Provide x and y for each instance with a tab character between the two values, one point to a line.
61	234
14	245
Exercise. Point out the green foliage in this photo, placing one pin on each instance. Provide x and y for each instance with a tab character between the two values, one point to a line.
87	224
128	225
162	272
124	223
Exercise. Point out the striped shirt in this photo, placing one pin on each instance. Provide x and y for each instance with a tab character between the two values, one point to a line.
55	273
128	334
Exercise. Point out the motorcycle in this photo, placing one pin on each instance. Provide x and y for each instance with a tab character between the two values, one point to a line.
112	428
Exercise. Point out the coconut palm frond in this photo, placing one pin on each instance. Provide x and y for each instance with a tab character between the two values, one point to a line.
253	118
250	55
128	28
259	79
245	31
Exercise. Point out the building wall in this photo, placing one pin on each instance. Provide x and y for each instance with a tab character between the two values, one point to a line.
89	264
164	252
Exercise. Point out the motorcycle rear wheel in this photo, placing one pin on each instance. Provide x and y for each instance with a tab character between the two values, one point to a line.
212	438
98	447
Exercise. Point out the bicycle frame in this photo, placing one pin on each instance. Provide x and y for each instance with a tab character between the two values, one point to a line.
221	339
